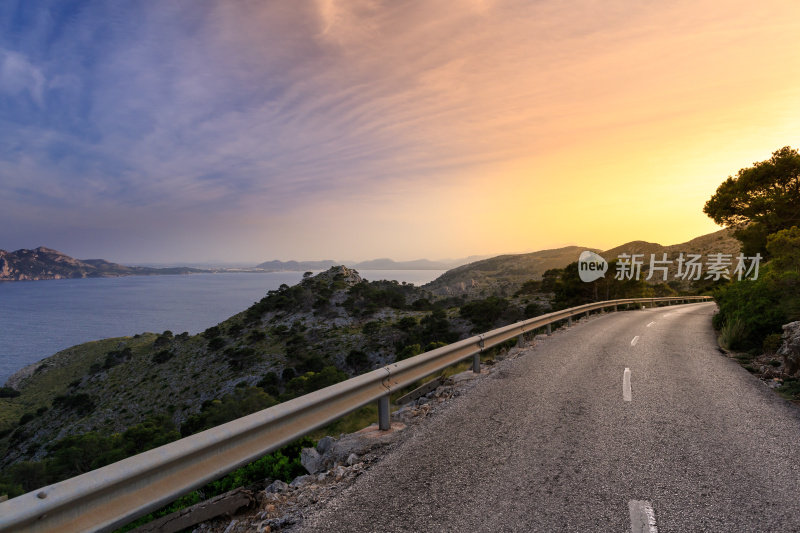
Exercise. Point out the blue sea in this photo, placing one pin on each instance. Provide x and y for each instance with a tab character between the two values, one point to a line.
40	318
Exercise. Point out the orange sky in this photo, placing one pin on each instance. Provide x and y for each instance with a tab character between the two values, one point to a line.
443	129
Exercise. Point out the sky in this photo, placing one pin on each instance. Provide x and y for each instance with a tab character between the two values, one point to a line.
191	131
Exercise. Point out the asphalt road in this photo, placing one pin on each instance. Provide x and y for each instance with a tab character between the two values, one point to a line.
550	442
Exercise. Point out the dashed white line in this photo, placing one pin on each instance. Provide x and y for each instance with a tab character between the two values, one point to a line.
643	519
635	340
626	385
650	324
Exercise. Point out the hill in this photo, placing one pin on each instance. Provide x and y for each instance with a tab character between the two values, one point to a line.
294	340
45	263
505	274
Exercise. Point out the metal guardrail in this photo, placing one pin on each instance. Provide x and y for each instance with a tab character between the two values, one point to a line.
116	494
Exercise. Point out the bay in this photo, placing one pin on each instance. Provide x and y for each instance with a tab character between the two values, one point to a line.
40	318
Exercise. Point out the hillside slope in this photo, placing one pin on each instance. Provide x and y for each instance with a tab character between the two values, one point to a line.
505	274
295	339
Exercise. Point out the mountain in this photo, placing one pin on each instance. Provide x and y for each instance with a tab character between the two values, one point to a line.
389	264
502	274
295	266
505	274
45	263
383	263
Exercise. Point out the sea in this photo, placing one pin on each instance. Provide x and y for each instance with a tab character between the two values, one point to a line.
40	318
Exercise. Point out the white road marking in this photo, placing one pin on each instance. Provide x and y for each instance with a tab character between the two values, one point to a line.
665	315
635	340
626	385
650	324
643	519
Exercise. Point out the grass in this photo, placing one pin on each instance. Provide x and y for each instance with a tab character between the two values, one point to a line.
790	389
732	334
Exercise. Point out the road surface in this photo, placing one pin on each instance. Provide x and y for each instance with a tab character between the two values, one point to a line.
630	421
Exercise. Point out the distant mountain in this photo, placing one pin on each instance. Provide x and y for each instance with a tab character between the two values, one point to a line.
295	266
506	273
45	263
389	264
374	264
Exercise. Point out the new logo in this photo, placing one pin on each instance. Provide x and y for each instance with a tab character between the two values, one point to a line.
591	266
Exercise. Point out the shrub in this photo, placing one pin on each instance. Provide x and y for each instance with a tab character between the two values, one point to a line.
163	356
532	309
215	343
211	332
8	392
771	343
357	360
256	336
371	328
80	403
408	351
484	313
115	357
733	334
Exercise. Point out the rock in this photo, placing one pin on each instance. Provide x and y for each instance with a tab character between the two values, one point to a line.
339	472
325	444
277	486
311	460
352	459
790	349
299	481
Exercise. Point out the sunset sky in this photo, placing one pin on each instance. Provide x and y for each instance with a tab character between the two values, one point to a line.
169	131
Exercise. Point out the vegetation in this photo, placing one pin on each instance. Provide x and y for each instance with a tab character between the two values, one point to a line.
763	202
760	201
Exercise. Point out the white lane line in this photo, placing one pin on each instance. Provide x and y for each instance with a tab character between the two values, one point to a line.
643	519
650	324
626	385
665	315
635	340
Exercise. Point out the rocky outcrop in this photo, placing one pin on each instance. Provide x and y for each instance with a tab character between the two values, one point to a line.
790	348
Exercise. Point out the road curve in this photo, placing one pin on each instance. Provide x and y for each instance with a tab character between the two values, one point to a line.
552	441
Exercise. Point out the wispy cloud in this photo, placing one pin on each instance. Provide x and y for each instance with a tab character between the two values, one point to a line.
256	110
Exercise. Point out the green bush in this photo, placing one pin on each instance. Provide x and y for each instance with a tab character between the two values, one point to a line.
215	343
81	403
163	356
484	314
408	351
732	334
771	343
8	392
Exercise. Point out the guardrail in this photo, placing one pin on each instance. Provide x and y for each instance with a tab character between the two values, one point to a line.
114	495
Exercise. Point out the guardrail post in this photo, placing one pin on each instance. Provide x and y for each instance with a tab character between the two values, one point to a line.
383	413
587	315
569	321
476	359
615	308
549	329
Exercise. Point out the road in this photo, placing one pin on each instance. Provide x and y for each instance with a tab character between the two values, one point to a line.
553	441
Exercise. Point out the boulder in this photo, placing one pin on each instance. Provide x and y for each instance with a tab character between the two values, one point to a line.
277	486
325	444
311	460
790	348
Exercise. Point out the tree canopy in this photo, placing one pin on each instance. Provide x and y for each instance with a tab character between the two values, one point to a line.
759	200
